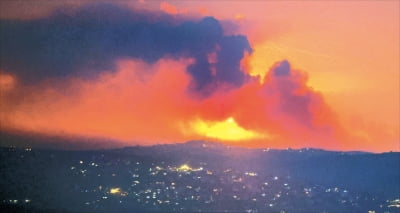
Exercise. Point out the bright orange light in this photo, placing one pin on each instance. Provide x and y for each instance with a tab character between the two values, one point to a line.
227	130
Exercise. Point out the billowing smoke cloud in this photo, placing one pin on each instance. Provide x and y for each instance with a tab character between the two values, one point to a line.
91	38
109	72
283	107
148	103
141	103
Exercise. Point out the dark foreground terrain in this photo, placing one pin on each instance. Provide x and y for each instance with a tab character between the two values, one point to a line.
198	177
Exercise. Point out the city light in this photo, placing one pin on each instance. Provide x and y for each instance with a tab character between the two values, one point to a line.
115	190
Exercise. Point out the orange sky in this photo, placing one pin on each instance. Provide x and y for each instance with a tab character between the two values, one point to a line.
346	51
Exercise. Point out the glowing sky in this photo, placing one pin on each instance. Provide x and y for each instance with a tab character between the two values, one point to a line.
252	73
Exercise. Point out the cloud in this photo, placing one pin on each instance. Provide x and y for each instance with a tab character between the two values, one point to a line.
282	69
168	8
138	102
282	107
148	103
102	71
90	39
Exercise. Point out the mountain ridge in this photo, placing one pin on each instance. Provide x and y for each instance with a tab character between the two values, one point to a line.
13	139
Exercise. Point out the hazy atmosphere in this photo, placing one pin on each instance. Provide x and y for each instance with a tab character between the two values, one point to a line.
255	74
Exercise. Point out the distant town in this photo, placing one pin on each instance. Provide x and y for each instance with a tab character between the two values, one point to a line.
205	178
